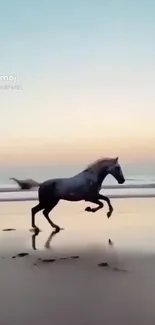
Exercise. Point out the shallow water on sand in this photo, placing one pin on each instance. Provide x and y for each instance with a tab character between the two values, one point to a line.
131	226
95	271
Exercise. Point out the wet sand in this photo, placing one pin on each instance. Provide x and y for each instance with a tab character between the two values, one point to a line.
95	271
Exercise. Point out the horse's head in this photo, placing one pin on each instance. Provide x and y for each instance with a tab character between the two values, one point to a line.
116	171
104	166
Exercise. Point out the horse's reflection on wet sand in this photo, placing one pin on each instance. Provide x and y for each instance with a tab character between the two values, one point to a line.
103	254
48	241
47	245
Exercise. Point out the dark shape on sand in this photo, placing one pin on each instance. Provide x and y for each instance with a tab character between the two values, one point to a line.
63	258
22	254
110	242
51	260
26	184
9	229
84	186
104	264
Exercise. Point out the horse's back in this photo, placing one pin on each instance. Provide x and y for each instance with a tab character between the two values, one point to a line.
70	188
76	179
49	182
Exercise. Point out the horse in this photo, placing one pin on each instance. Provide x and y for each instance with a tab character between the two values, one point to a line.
26	184
83	186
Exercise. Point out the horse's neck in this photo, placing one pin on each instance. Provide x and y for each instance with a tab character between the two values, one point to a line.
102	175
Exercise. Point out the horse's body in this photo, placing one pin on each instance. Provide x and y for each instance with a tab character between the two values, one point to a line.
83	186
76	188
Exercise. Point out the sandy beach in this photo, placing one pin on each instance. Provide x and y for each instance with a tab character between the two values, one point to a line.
95	271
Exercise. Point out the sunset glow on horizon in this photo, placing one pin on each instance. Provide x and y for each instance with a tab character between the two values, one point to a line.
75	152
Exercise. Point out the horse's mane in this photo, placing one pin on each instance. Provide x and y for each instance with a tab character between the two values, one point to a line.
101	161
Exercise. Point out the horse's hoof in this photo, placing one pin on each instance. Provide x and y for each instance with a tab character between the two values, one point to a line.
57	229
109	214
36	230
88	209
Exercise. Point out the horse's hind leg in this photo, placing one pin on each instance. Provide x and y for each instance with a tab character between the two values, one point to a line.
34	210
46	212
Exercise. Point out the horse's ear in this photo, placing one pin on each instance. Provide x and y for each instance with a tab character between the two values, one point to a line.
116	160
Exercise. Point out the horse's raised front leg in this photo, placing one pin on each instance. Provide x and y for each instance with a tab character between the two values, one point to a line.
105	198
99	203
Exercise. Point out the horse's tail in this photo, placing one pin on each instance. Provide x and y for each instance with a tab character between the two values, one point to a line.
26	184
16	180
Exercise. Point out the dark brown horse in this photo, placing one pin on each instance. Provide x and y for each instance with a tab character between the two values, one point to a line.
83	186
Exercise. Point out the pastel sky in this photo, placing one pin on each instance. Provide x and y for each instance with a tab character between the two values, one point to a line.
87	72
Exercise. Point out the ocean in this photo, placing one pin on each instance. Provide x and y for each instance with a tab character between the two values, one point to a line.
140	180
